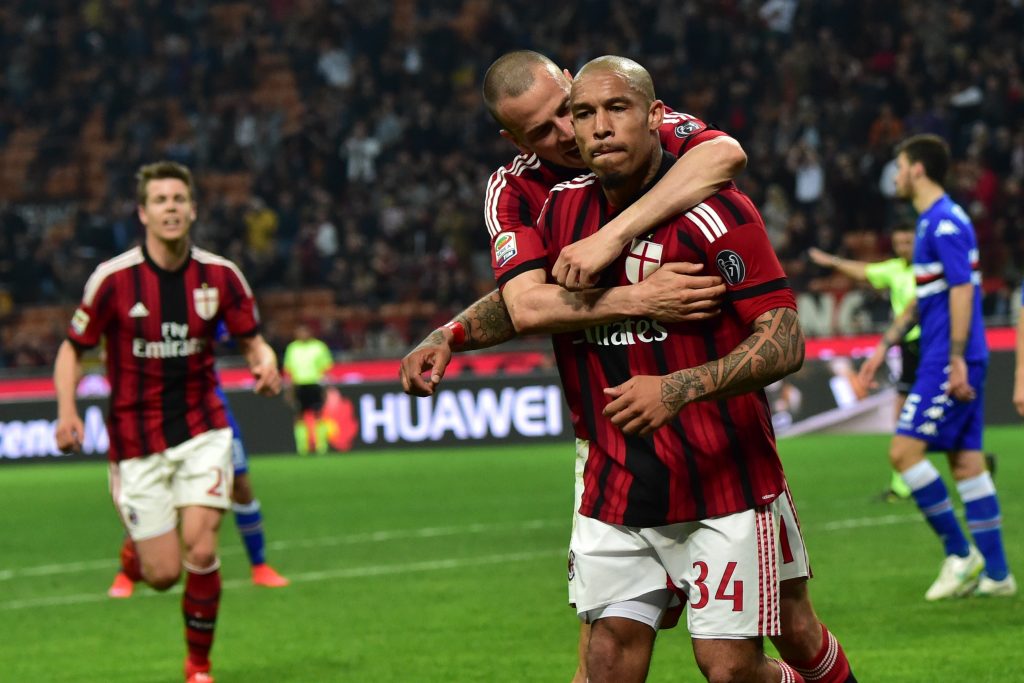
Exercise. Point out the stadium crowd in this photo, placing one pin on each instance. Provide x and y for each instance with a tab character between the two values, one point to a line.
343	146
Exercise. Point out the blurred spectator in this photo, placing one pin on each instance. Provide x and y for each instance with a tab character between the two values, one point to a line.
359	128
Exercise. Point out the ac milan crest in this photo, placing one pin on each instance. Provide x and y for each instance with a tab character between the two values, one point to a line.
643	259
206	300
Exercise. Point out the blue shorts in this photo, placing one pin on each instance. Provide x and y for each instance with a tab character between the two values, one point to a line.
239	458
940	421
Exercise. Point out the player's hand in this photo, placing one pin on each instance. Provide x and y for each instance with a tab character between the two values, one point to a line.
821	258
869	368
579	263
268	379
69	434
1018	397
637	407
958	385
432	358
676	293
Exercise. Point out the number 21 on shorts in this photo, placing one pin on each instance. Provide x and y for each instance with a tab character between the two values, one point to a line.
218	486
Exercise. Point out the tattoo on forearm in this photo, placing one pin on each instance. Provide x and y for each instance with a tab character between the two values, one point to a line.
957	347
432	339
487	322
775	349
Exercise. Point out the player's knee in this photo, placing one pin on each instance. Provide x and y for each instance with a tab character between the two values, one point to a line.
801	636
900	457
201	556
161	577
967	465
605	648
718	670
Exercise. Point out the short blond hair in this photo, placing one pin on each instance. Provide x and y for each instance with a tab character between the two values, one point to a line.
158	171
511	75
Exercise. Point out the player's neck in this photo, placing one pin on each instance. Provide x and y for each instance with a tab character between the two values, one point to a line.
623	194
168	255
926	195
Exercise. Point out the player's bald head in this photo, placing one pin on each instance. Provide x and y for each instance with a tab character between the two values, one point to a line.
635	76
513	74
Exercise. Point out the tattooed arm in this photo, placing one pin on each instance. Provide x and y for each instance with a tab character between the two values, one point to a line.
675	292
772	351
485	323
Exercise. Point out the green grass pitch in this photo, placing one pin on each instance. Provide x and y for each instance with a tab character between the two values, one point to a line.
449	565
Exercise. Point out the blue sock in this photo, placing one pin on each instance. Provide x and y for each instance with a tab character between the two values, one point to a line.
932	497
984	521
250	526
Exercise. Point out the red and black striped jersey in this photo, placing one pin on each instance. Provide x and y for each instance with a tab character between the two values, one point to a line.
717	457
516	192
159	328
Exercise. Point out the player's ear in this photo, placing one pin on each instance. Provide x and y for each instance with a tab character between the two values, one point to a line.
656	115
568	74
510	136
142	213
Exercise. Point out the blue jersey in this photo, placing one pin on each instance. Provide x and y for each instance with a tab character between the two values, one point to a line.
946	255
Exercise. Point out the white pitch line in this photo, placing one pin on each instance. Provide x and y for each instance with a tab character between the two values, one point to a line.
865	522
368	537
307	577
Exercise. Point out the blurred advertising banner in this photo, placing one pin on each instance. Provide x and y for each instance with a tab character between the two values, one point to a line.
483	408
359	417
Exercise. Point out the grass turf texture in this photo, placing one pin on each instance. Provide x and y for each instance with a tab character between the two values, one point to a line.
450	566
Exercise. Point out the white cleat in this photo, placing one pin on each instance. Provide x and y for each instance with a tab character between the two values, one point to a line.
958	576
991	588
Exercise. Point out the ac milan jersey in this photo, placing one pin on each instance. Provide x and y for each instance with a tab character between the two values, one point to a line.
159	327
716	457
516	192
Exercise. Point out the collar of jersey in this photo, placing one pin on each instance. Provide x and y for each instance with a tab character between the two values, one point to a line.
167	273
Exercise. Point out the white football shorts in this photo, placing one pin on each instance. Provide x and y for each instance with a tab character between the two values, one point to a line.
728	567
148	491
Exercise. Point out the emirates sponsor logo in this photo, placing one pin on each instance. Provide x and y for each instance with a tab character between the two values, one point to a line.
175	343
626	333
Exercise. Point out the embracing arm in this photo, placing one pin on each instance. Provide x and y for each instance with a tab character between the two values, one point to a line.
697	175
673	293
485	323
